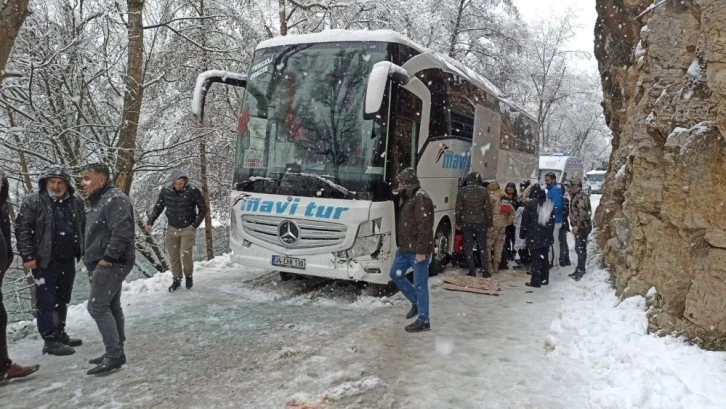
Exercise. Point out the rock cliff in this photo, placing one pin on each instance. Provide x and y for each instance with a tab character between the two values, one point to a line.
662	218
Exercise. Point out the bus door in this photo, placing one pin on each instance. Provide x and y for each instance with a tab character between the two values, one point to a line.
485	145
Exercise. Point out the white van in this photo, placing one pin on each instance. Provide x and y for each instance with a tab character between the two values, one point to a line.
596	179
563	165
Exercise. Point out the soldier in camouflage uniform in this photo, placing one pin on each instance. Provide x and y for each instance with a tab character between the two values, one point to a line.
502	217
581	222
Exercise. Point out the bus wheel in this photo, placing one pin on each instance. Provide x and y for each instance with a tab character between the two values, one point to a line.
441	255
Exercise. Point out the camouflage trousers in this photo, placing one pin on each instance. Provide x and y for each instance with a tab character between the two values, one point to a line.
495	243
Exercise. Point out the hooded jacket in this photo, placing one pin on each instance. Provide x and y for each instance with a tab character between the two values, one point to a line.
6	249
538	223
110	232
34	228
184	208
415	224
580	210
473	204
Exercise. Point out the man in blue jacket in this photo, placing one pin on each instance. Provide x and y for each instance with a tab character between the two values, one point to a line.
554	194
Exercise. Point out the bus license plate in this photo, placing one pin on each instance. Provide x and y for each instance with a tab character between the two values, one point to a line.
291	262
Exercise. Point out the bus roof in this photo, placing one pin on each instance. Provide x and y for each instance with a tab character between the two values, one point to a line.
389	36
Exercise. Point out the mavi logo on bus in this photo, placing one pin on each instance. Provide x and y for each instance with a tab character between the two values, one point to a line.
290	208
452	160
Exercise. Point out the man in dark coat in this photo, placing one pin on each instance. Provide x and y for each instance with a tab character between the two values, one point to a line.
49	232
537	228
185	211
415	240
8	369
473	218
109	257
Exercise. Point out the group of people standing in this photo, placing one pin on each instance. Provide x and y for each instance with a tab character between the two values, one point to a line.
532	224
55	228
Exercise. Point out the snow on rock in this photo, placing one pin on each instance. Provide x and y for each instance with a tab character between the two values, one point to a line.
695	71
652	292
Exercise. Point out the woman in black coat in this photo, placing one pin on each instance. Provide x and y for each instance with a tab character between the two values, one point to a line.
538	225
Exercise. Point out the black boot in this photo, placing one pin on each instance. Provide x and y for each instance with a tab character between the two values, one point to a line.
412	312
57	348
503	265
579	275
97	361
174	285
189	283
486	274
574	273
471	274
71	342
418	326
107	365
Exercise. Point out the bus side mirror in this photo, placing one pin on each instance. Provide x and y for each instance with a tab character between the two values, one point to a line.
380	73
205	80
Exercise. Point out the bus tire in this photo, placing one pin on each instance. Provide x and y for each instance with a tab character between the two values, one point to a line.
441	256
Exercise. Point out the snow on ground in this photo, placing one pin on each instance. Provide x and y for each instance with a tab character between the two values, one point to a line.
243	339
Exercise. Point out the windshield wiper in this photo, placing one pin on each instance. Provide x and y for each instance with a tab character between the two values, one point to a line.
346	193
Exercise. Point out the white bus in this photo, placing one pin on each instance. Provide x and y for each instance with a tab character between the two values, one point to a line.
326	123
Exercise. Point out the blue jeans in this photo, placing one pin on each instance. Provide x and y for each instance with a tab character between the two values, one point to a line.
418	292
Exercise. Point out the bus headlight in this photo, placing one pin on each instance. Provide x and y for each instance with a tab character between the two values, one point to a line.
368	241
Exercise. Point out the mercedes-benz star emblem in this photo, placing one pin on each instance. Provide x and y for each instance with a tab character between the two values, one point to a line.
288	232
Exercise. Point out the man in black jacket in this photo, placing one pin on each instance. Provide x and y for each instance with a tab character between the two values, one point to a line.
473	218
415	240
8	369
185	211
49	232
109	257
538	225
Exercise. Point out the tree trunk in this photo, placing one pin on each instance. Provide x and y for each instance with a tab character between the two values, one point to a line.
12	16
157	259
133	95
283	18
455	30
209	238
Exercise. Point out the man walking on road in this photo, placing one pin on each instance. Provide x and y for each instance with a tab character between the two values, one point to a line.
49	232
109	257
414	237
185	211
474	217
8	369
581	221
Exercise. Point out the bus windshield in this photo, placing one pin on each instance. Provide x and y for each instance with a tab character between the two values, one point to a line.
596	177
301	129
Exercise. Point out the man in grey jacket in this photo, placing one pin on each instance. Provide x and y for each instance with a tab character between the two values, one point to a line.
49	232
109	257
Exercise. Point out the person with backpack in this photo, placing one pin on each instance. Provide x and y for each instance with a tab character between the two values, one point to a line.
474	218
537	228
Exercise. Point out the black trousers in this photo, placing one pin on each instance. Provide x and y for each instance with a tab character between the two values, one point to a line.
53	288
4	358
540	265
475	234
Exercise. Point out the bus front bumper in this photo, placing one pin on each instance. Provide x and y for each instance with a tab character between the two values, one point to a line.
317	265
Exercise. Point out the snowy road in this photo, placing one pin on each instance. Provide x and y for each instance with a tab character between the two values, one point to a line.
241	339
